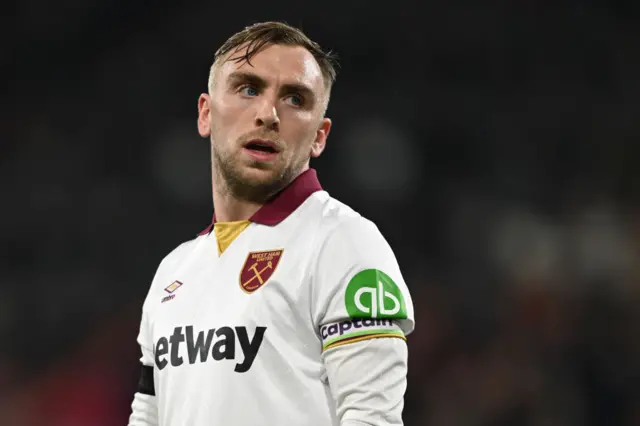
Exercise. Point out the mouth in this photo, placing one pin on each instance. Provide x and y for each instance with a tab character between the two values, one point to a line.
262	146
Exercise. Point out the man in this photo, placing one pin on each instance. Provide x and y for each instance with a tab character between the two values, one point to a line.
290	308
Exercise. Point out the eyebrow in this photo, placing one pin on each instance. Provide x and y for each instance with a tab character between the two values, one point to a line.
237	77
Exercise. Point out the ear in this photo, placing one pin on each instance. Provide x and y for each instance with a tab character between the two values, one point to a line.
321	138
204	116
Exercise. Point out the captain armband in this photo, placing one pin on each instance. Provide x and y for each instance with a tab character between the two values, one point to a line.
355	330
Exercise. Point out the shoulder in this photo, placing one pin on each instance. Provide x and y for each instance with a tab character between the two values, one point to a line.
346	240
168	264
335	219
353	263
344	231
175	256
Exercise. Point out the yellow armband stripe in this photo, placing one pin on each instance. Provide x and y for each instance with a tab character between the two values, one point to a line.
373	334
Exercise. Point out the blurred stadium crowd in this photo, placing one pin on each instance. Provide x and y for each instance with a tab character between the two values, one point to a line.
495	145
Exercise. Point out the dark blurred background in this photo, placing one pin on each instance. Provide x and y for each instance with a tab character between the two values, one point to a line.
495	144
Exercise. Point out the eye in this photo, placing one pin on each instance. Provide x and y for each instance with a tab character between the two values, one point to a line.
295	100
249	91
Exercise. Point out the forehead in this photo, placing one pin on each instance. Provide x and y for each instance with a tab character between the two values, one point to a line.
278	64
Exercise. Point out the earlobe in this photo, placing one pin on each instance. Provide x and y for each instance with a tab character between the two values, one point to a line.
204	122
321	138
316	149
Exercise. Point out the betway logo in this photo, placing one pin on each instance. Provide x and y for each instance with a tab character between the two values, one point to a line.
199	346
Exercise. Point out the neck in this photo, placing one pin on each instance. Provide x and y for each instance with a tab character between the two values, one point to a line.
231	208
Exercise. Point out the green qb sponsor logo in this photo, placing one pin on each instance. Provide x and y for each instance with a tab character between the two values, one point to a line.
373	294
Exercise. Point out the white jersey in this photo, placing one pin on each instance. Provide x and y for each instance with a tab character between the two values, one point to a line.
300	319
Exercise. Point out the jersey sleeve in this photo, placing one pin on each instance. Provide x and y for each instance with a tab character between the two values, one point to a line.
144	409
359	291
368	380
363	314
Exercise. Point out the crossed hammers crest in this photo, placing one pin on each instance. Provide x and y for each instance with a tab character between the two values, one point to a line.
257	274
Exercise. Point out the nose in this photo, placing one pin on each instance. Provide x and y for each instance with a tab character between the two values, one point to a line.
267	115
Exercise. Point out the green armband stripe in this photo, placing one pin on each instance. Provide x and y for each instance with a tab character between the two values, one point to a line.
357	334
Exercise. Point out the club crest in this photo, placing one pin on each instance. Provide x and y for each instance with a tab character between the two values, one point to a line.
257	269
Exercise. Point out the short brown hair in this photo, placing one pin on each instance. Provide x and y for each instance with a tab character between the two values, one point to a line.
256	36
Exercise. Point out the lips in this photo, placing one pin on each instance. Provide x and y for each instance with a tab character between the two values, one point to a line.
262	150
262	145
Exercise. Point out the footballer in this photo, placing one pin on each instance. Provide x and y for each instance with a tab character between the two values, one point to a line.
290	307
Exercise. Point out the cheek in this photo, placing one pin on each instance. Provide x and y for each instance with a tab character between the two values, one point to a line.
225	103
225	119
302	132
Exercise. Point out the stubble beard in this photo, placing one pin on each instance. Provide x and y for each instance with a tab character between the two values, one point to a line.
228	172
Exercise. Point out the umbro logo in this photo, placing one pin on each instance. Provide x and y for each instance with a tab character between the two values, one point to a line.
170	289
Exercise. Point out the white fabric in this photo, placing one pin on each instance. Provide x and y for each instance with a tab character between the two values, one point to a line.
368	380
225	356
144	411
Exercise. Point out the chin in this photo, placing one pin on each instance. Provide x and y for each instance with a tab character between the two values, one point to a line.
261	175
256	184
